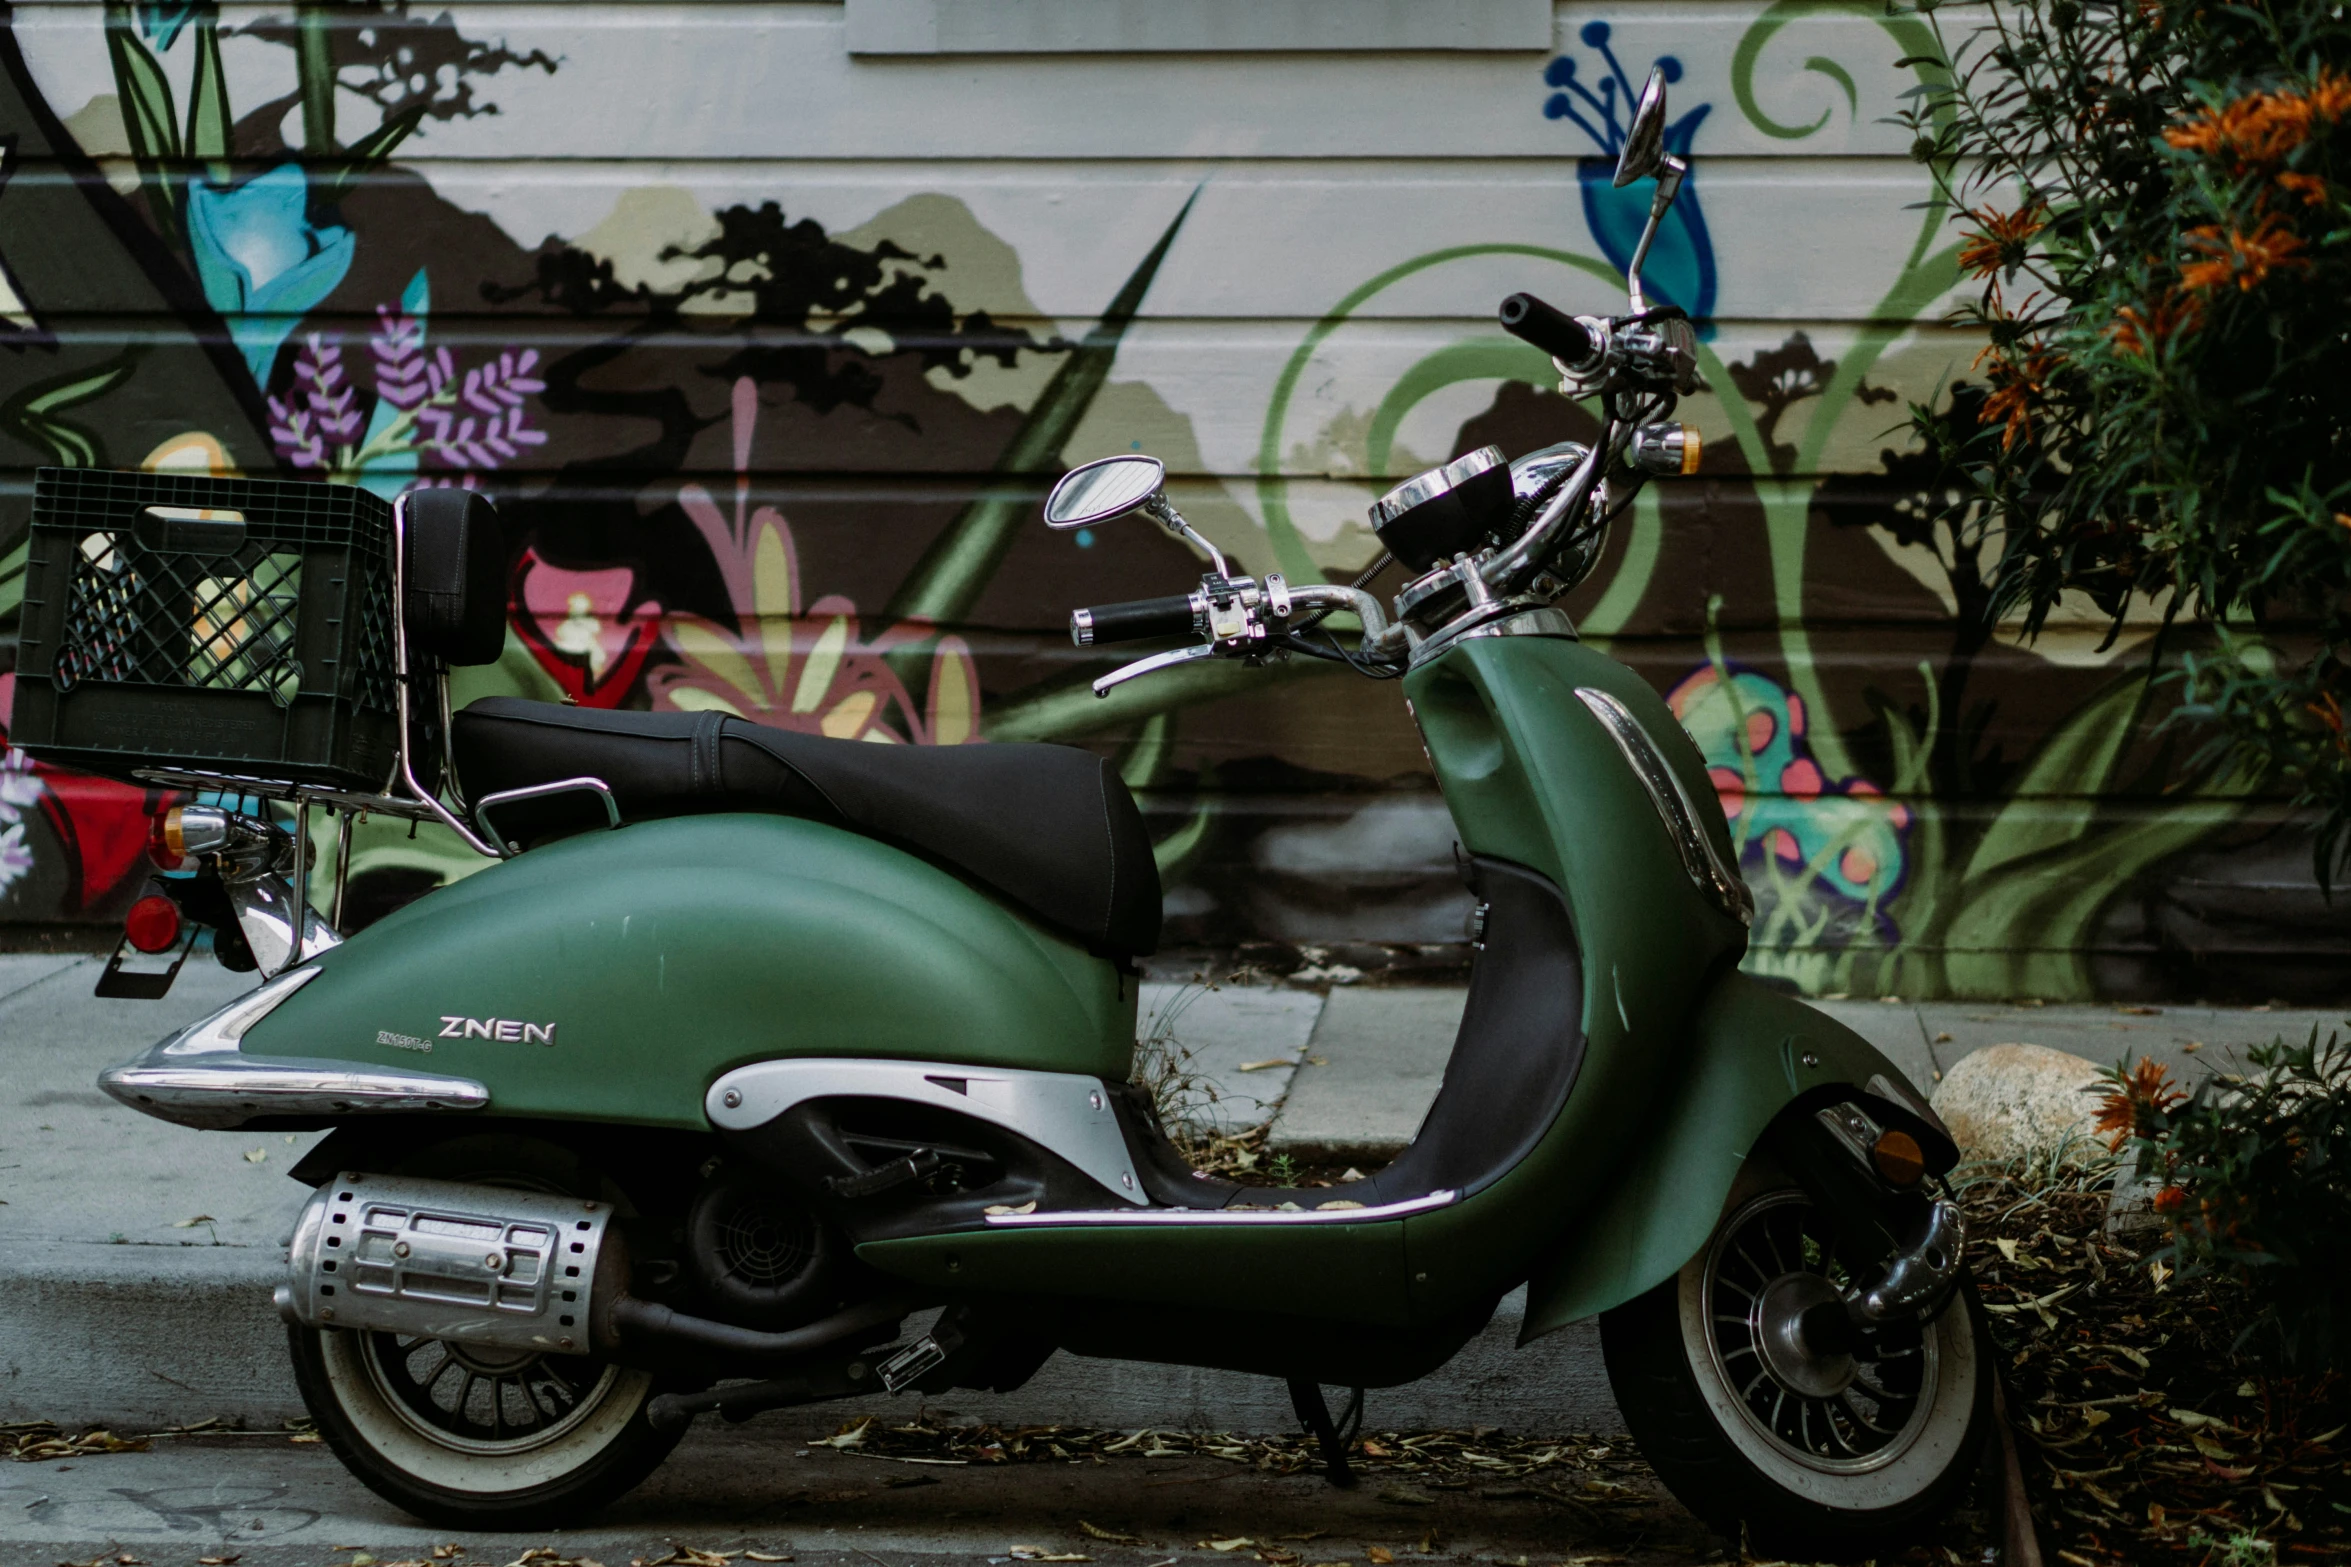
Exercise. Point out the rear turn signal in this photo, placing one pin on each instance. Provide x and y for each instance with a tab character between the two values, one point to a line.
153	924
1899	1158
165	844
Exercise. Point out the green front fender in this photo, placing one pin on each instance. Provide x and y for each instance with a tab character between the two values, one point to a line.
1752	1051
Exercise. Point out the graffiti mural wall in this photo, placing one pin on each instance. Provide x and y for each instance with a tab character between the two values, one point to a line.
768	351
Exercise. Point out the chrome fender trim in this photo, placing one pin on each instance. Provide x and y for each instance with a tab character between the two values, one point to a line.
200	1077
1063	1111
1076	1218
1701	861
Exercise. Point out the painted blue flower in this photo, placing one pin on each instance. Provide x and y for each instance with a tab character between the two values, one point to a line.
162	20
1680	269
262	262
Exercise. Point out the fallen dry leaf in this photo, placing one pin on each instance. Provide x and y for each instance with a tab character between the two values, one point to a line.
1233	1544
256	1155
848	1436
1379	1556
1112	1536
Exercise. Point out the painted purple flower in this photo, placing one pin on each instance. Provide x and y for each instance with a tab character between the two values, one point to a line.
423	408
483	425
322	409
406	376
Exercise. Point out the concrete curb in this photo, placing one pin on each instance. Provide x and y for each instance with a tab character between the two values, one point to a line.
103	1335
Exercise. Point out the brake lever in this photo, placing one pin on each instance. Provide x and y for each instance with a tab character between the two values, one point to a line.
1152	665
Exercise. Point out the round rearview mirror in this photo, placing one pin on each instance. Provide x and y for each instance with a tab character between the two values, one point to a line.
1100	490
1644	139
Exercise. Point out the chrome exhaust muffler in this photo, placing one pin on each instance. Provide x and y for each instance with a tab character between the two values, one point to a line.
454	1260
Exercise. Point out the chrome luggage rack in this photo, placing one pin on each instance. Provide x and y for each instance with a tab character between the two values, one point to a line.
402	795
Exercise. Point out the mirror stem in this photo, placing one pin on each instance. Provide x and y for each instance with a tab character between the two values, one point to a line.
1158	508
1669	185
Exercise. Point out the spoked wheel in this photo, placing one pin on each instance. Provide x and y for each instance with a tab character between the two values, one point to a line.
474	1436
1807	1438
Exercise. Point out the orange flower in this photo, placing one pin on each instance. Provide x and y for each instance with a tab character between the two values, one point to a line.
2170	1200
2015	387
2263	127
2137	332
2309	187
2001	241
2146	1091
2328	710
2242	259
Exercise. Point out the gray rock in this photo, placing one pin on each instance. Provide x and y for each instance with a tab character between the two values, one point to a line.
2017	1101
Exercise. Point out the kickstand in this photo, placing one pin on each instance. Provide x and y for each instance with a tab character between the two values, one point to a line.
1334	1437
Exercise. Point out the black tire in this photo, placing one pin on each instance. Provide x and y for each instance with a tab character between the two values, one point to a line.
1839	1475
473	1438
541	1480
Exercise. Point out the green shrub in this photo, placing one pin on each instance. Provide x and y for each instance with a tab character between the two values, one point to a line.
2155	201
2255	1184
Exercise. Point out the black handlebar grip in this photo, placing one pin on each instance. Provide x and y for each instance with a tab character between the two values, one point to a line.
1560	335
1134	621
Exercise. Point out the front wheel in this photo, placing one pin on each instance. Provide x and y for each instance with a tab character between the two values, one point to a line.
1802	1452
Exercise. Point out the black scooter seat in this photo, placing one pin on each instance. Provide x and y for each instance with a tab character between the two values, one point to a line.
1050	827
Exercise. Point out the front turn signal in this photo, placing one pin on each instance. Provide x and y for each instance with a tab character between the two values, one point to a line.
1899	1158
1666	449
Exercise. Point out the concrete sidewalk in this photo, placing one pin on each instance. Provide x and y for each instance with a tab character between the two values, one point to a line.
136	1257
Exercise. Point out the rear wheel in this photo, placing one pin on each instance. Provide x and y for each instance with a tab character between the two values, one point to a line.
474	1436
1762	1433
469	1436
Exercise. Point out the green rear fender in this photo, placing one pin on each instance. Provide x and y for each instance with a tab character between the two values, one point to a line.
638	965
1751	1052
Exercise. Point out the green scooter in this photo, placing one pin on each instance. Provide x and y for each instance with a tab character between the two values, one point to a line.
762	1069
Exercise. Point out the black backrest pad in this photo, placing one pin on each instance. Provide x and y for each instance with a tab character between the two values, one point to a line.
1050	827
456	568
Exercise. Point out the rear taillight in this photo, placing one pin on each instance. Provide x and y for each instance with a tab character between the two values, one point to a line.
153	924
165	846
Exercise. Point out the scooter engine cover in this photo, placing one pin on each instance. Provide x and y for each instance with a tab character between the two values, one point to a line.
1446	511
763	1259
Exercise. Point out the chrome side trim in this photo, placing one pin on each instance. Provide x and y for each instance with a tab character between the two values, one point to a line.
235	1090
1066	1112
1700	859
223	1031
1193	1217
200	1077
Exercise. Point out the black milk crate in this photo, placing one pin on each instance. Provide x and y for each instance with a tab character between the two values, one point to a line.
213	625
